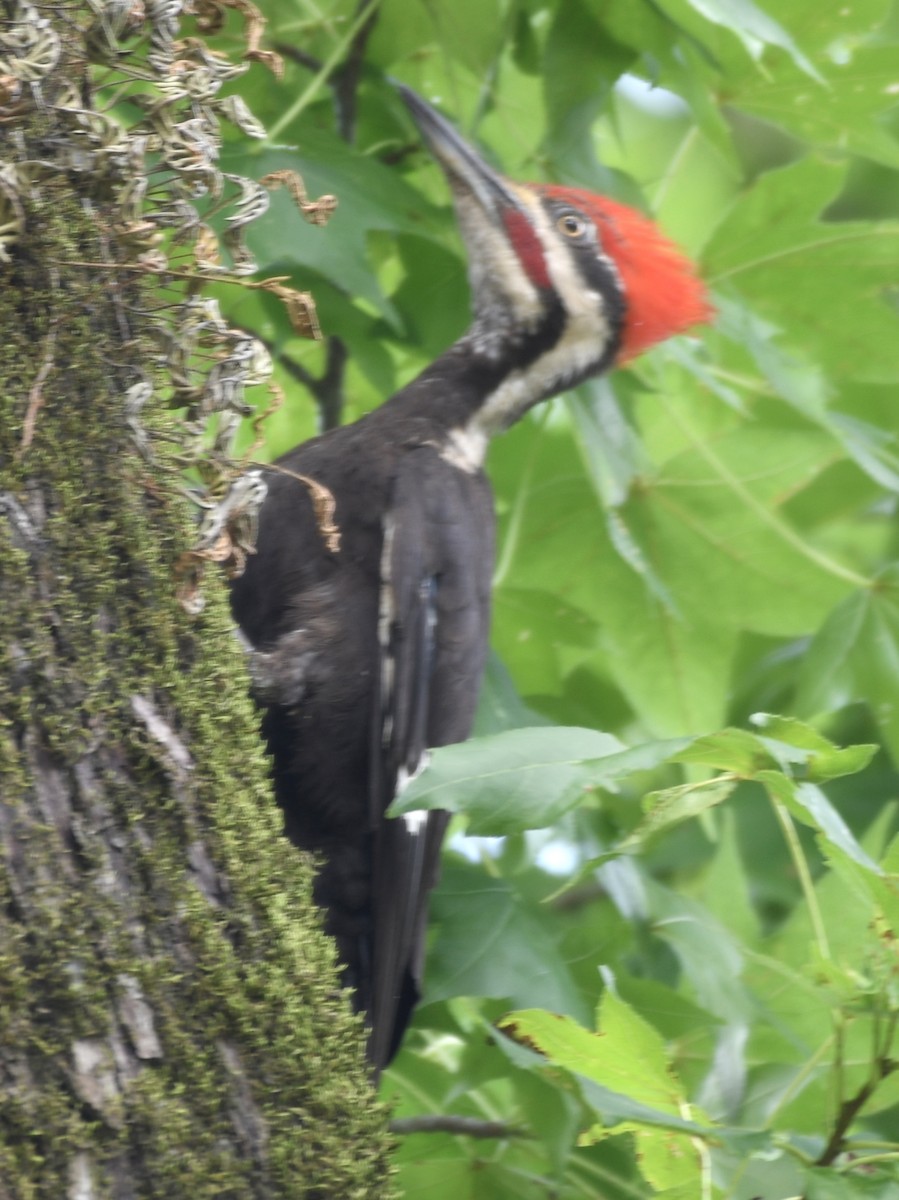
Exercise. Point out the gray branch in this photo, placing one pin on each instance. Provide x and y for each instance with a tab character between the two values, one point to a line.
466	1126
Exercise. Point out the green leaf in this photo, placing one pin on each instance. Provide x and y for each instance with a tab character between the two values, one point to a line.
725	887
840	110
710	955
672	806
786	743
671	663
777	250
855	656
819	26
581	62
675	1016
751	24
623	1061
554	1113
433	296
825	760
500	706
714	519
534	627
686	689
524	778
809	804
804	386
734	750
469	32
821	814
489	943
611	448
614	461
627	1078
825	1184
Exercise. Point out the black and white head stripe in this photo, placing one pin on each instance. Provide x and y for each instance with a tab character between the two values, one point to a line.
549	308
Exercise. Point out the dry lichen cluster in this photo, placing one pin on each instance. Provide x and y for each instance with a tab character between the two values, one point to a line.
133	113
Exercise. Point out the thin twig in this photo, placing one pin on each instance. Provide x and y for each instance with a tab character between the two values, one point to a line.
847	1114
300	373
328	68
295	54
345	80
850	1109
327	388
466	1126
579	897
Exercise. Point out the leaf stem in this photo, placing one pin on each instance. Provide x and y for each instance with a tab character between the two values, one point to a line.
849	1110
859	232
780	527
803	873
686	144
867	1160
798	1081
702	1151
783	1143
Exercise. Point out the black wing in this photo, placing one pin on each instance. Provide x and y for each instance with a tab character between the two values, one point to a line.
434	619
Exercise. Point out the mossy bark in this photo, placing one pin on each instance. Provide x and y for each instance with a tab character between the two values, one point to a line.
170	1019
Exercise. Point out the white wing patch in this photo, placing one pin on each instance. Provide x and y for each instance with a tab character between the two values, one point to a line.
465	448
415	821
404	776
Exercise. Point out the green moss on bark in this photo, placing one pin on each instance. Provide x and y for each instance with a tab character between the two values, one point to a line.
169	1006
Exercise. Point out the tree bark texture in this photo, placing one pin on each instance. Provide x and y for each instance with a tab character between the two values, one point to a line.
170	1019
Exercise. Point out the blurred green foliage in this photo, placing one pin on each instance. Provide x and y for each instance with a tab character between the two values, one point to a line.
707	535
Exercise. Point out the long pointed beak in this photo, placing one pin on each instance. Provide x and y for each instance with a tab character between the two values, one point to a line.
462	165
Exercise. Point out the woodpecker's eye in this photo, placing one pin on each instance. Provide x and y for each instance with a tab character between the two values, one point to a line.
572	225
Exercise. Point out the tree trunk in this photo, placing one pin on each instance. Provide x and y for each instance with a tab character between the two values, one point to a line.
170	1018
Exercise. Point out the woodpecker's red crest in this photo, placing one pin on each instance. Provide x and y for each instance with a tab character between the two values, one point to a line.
663	292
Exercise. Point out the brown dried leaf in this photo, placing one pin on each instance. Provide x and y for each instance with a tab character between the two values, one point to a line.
323	503
154	262
210	18
300	307
188	574
206	249
190	567
209	14
269	59
317	212
277	399
10	91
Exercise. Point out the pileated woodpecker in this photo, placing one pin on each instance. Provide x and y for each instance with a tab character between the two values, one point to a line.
370	625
